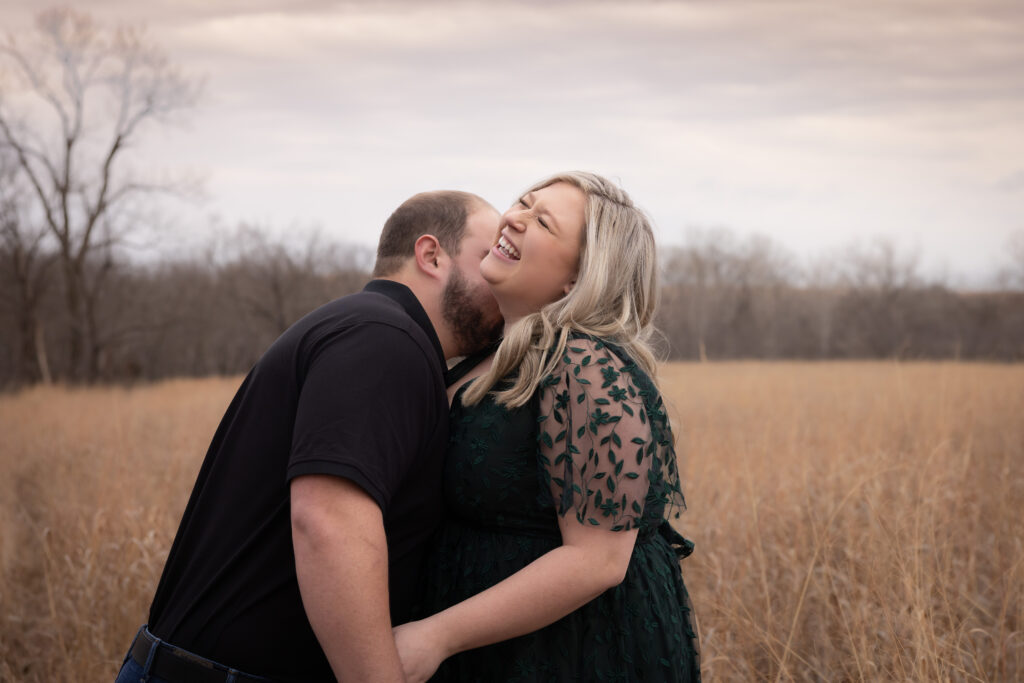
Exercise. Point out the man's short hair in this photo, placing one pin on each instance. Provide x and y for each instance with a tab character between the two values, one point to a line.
442	214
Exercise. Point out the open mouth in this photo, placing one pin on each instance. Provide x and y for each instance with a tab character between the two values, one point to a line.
507	249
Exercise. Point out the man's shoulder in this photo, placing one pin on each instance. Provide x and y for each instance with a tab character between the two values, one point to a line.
365	305
370	310
365	315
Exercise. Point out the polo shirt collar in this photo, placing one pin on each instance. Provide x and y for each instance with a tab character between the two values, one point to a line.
407	300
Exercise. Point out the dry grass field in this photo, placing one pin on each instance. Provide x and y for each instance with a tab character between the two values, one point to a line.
853	521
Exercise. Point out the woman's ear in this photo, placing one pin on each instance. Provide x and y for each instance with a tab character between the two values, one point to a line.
568	287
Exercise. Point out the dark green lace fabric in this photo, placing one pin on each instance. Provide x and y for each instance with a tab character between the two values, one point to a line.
594	442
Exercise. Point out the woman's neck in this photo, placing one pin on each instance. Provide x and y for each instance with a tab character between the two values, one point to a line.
509	322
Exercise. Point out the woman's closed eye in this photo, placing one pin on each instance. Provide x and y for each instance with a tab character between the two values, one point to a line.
543	224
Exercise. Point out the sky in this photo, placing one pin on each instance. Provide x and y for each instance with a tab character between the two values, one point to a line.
820	124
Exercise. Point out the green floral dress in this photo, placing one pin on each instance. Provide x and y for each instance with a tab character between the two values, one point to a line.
594	442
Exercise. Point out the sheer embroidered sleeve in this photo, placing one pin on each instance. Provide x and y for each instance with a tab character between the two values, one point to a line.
605	445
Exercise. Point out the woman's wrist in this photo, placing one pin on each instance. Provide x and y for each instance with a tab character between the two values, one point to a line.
444	634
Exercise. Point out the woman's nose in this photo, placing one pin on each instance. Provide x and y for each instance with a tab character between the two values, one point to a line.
516	220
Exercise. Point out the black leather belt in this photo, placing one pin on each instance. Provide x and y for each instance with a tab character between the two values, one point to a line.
176	664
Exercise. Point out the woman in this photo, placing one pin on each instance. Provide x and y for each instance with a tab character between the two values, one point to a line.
556	562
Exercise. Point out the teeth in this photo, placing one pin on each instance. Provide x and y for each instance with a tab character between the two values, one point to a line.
507	249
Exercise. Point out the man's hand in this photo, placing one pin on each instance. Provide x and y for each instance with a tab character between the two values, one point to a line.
341	561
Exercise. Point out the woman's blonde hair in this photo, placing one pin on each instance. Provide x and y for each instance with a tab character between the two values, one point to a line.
614	297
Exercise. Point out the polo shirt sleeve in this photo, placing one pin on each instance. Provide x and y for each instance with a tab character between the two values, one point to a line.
366	409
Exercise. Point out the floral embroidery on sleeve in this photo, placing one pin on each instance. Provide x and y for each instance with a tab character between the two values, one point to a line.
605	445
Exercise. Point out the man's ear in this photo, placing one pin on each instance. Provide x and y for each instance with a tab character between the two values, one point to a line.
430	257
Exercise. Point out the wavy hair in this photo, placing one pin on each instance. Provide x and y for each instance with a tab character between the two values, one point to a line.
614	298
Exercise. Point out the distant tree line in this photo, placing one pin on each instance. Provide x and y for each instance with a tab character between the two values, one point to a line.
212	313
216	311
728	299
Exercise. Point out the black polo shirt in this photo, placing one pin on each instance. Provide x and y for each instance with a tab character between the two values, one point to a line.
354	389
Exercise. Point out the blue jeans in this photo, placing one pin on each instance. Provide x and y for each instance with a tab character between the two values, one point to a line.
133	672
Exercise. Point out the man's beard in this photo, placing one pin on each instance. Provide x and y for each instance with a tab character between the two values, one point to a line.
467	316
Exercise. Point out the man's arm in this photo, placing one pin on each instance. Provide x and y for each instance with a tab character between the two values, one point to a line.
341	560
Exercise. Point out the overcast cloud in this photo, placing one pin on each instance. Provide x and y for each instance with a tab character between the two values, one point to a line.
816	123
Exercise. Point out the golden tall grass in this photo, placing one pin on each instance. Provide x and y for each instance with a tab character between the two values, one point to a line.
853	521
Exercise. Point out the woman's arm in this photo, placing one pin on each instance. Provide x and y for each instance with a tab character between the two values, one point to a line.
590	561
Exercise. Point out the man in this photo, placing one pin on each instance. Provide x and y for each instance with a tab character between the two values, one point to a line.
303	538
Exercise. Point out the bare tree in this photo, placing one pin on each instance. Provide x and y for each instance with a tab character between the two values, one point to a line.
1012	275
881	267
75	100
881	283
24	267
723	296
696	275
824	285
276	280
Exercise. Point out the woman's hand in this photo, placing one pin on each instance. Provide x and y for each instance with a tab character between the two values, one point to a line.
420	648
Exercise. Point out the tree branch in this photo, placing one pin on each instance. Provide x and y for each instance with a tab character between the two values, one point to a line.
29	171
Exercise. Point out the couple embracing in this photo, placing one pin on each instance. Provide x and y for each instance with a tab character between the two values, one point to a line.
365	514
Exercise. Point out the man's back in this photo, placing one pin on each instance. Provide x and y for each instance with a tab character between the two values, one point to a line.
341	392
